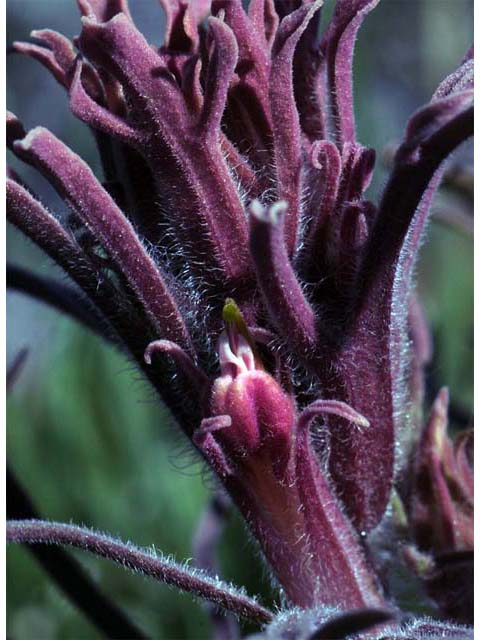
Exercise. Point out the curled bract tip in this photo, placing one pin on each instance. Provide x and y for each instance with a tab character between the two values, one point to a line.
147	356
270	214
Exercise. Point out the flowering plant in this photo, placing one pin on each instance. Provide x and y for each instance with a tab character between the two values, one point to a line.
232	254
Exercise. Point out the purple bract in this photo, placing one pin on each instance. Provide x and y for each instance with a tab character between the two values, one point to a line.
232	253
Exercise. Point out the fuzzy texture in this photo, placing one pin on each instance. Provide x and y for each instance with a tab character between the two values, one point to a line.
232	170
146	562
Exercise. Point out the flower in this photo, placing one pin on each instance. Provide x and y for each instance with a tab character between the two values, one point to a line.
261	414
233	170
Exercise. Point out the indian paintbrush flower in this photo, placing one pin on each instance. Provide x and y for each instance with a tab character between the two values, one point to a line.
232	171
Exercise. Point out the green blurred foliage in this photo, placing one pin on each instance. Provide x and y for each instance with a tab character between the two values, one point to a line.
93	446
89	439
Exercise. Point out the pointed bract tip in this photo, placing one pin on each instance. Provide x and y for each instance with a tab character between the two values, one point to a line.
257	209
359	420
335	407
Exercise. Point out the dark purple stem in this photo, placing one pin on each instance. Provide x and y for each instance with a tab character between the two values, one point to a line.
60	296
32	218
68	573
139	561
36	222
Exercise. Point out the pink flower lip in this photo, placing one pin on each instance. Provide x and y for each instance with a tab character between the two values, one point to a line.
262	414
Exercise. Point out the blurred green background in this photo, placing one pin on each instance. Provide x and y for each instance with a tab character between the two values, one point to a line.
86	435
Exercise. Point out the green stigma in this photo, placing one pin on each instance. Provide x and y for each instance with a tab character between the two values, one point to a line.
231	313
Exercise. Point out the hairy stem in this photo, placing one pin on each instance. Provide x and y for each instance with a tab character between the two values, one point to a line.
144	562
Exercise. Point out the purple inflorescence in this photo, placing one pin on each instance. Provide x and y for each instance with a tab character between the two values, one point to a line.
232	171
